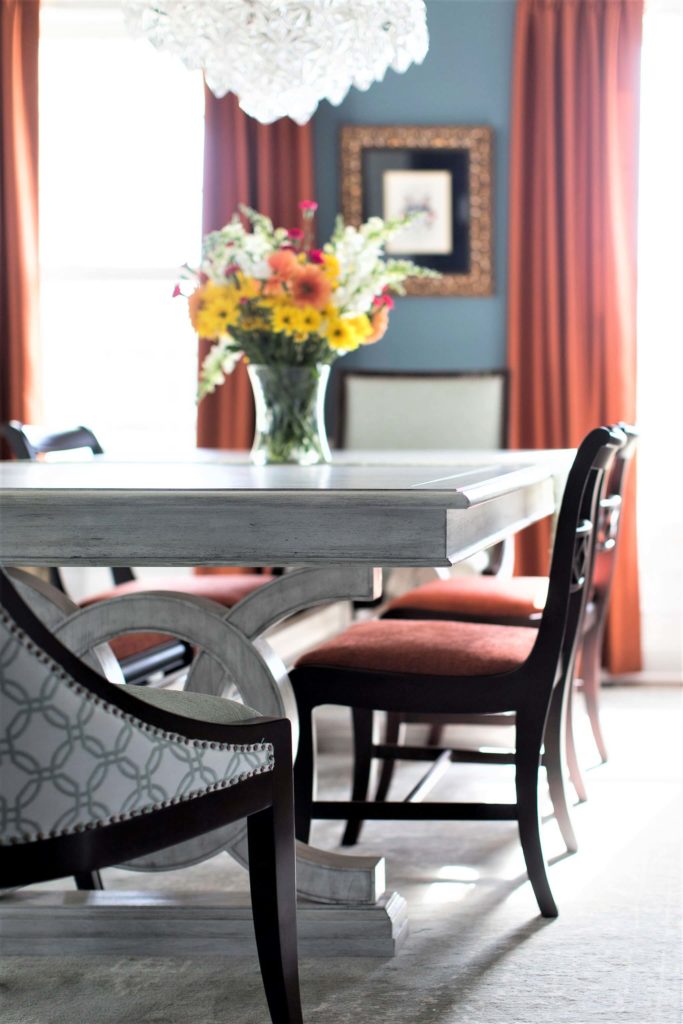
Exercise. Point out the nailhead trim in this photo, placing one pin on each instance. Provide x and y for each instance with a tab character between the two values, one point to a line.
114	819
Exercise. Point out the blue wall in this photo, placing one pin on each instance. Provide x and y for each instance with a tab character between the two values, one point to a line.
465	79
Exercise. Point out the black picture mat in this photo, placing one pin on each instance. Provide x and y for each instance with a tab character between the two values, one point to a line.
456	161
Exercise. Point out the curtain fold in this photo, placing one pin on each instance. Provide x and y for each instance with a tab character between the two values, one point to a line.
572	252
19	266
268	167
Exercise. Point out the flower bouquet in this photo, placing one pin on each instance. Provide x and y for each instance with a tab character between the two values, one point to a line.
268	296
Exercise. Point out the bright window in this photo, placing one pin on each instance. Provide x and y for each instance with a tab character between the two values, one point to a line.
660	331
121	152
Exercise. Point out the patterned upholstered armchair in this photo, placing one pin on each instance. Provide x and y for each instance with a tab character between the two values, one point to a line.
95	774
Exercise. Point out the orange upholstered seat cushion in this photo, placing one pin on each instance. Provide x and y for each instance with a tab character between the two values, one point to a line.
128	644
425	647
479	596
225	590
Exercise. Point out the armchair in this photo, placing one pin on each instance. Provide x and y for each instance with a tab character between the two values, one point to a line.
96	774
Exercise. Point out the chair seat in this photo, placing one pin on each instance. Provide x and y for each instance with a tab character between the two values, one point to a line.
129	644
485	597
424	647
201	707
224	590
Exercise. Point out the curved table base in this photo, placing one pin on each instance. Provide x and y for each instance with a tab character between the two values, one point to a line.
245	667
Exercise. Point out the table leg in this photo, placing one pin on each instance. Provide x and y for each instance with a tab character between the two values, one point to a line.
251	671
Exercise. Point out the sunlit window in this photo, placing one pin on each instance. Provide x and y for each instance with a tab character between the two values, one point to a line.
660	330
121	151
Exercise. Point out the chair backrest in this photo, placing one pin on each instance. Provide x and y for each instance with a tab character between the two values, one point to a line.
386	410
28	442
609	522
574	548
78	753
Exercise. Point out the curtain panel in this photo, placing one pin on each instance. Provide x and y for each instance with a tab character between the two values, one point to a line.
268	167
19	266
572	251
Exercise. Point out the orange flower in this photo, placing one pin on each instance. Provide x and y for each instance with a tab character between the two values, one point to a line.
283	263
310	288
194	304
380	322
273	286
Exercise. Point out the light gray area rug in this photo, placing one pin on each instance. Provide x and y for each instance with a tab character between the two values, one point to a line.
478	951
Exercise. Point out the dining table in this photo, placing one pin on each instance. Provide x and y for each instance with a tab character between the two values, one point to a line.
334	526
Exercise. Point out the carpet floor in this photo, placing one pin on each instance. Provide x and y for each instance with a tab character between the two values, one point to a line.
478	951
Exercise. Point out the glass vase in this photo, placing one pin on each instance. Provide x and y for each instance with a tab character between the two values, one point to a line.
290	414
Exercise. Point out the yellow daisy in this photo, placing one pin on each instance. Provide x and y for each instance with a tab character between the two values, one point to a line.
361	326
286	319
248	287
340	335
310	320
331	268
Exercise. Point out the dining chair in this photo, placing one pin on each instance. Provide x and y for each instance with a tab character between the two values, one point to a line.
141	655
390	410
96	774
385	410
442	667
519	601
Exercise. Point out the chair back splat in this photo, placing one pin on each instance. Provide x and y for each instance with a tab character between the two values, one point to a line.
437	667
574	548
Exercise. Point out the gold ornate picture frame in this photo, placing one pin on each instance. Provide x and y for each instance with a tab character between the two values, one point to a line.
444	171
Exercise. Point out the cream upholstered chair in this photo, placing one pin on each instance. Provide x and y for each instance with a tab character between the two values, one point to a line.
95	774
401	410
465	668
387	410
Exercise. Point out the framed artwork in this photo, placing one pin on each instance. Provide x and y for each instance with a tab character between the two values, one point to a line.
444	172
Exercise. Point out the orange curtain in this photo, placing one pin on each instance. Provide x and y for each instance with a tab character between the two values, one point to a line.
19	268
572	250
268	167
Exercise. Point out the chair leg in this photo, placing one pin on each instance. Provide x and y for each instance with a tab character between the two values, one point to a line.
435	735
573	767
273	895
88	880
553	744
592	646
392	734
527	761
304	778
363	730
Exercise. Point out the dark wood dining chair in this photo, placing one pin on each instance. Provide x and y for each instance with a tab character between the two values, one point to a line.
449	668
519	601
96	774
141	655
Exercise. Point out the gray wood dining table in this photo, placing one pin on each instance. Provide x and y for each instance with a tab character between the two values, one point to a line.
337	524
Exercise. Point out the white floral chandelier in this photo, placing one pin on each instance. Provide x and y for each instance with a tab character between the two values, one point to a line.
281	57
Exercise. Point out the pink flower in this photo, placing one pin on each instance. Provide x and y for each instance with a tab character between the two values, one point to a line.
383	300
295	233
308	206
316	256
231	269
177	291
